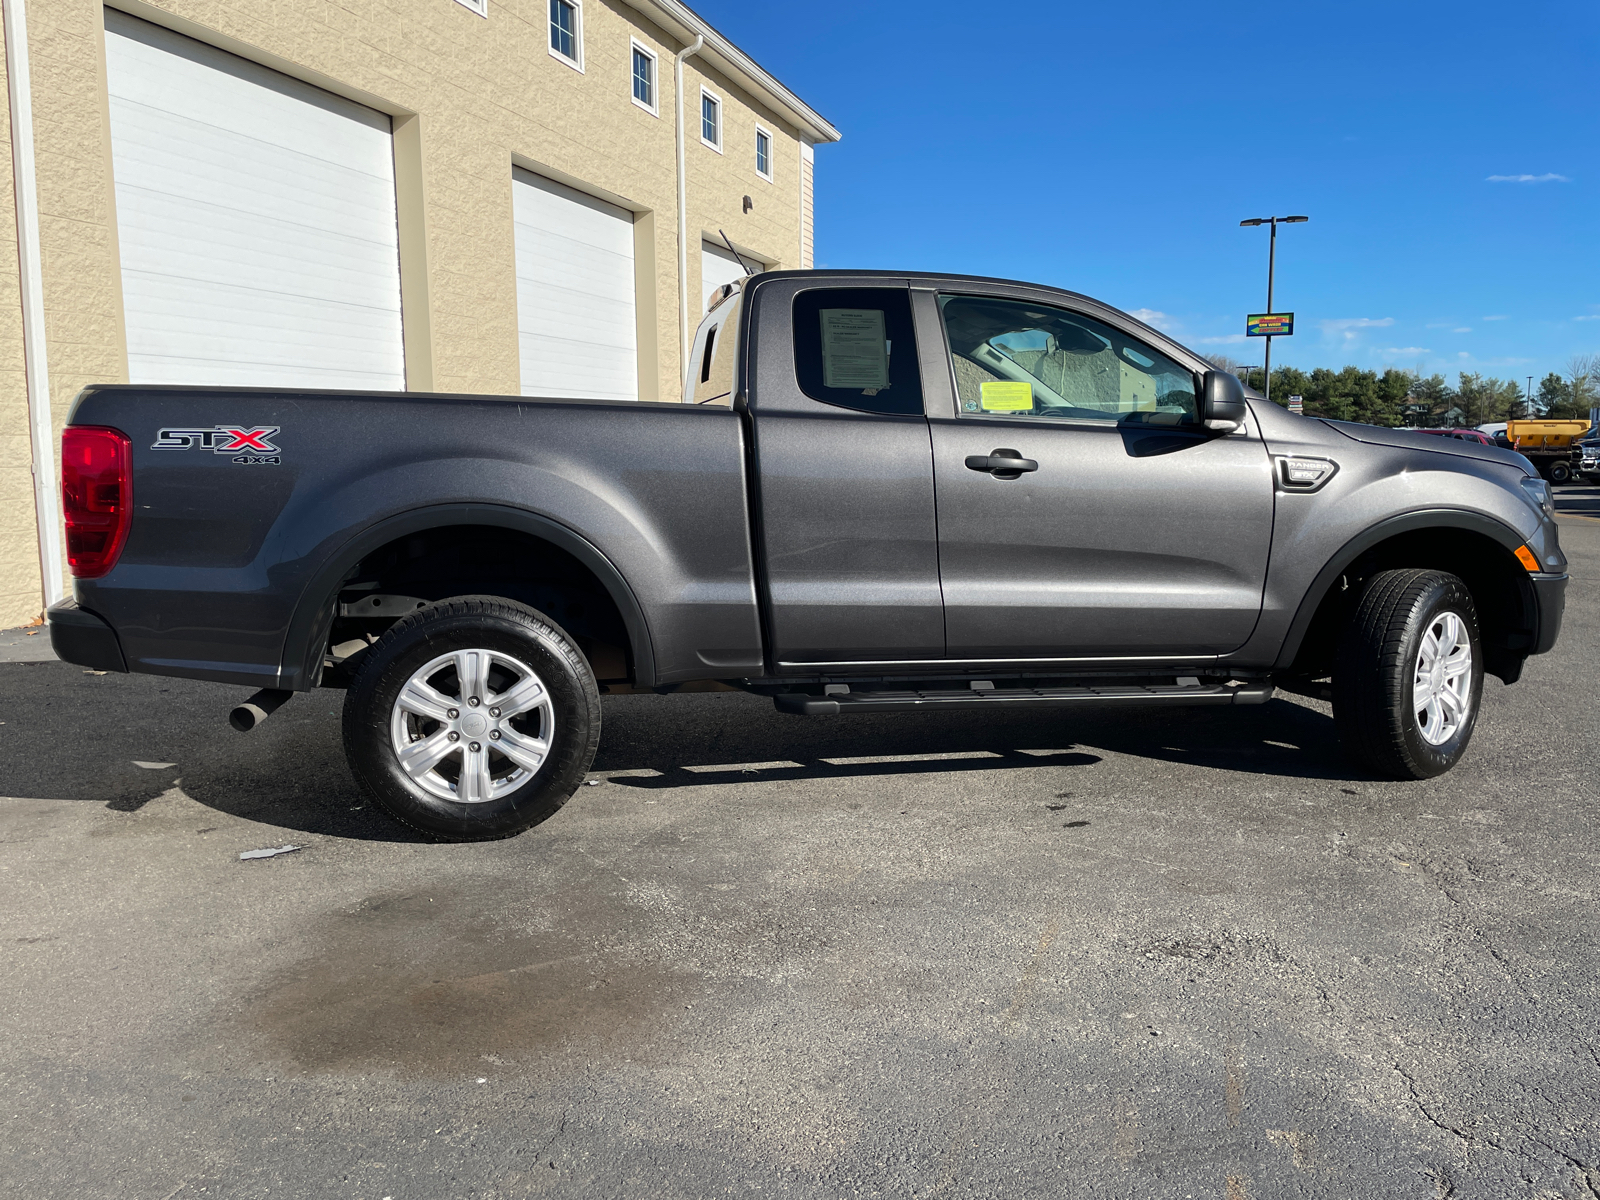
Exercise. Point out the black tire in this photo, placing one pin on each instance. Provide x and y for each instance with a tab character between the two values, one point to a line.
1375	673
506	636
1560	472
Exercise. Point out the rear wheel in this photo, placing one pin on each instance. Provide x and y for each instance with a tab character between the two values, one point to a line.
472	718
1560	472
1409	674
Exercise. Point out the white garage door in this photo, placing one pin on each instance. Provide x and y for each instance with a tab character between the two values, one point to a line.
718	266
575	305
256	221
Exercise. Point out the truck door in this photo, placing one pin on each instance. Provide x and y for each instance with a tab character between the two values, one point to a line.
843	476
1083	511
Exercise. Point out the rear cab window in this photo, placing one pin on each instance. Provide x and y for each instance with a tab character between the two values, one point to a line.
856	348
1016	358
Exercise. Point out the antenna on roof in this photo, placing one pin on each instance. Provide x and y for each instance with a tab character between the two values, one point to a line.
735	253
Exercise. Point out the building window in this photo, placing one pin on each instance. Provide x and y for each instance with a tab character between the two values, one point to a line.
481	7
711	120
763	154
644	78
566	37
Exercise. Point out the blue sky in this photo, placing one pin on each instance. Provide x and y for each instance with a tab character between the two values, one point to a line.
1446	154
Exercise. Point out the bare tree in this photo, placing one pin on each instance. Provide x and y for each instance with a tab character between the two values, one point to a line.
1583	377
1223	363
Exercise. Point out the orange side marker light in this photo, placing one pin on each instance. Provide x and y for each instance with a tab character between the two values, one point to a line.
1527	559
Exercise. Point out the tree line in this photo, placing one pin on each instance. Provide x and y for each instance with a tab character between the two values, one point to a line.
1394	397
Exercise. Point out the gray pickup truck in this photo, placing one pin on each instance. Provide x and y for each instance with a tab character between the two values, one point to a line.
882	493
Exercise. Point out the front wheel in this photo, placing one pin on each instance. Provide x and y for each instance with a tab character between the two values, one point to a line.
472	718
1409	674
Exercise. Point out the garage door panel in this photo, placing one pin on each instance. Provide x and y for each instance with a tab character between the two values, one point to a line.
256	221
567	368
576	310
286	345
558	262
571	313
288	184
174	245
266	106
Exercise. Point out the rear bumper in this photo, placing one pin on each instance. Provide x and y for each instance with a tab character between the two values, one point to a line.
1550	599
78	636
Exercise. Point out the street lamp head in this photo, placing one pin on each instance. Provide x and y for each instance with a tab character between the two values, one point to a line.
1295	220
1256	221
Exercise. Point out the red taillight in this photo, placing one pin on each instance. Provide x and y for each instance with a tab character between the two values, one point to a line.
96	495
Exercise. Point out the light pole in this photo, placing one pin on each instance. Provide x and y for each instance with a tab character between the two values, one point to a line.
1272	256
1527	402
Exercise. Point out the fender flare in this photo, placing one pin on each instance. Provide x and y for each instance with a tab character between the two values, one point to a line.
1428	518
300	666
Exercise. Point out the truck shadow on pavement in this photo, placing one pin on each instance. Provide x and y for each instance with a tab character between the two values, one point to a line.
153	736
719	740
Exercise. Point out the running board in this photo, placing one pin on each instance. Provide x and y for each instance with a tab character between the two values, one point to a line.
804	705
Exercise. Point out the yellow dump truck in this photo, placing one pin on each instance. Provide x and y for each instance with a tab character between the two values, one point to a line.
1550	446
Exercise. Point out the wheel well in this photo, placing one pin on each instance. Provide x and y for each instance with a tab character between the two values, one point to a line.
1498	583
479	560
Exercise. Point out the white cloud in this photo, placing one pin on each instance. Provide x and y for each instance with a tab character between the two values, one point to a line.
1462	329
1231	339
1151	316
1590	317
1547	177
1350	327
1500	317
1405	351
1462	354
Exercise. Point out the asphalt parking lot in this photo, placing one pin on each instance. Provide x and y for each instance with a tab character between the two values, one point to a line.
1095	954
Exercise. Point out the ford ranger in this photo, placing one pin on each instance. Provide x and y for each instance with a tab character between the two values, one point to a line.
881	493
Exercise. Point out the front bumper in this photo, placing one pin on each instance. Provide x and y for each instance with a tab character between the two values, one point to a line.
1550	602
80	637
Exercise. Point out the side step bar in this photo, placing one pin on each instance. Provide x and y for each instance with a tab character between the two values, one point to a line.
801	704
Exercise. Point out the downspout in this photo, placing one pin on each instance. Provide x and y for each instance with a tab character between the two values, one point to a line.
683	211
46	501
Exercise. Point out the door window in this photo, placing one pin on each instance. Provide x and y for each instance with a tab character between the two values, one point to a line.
1015	358
854	347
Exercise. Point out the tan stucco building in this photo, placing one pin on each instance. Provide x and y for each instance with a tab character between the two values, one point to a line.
440	195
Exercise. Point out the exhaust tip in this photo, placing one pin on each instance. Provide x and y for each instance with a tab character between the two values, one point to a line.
257	709
246	717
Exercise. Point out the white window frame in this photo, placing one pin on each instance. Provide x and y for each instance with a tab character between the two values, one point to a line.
772	145
655	77
577	35
722	120
481	7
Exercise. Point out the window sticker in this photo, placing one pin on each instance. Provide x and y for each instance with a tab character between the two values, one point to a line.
855	352
1006	397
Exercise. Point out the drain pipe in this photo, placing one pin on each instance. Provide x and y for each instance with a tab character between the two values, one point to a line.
46	498
683	210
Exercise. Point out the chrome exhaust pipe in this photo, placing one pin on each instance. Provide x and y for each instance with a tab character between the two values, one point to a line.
257	709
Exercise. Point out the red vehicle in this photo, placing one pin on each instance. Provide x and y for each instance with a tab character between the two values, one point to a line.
1466	435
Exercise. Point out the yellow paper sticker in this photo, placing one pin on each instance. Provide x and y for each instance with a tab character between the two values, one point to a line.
1006	397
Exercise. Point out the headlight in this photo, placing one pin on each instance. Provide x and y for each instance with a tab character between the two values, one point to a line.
1538	493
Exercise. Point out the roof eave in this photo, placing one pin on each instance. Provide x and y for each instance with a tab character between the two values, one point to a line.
684	23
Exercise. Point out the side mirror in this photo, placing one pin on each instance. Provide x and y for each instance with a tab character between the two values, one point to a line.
1222	405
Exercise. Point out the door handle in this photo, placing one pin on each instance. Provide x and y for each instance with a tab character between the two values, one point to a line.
1001	463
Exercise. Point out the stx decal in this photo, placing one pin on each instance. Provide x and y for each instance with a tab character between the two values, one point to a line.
221	439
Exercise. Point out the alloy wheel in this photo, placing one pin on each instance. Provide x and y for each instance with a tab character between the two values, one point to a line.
472	725
1442	682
